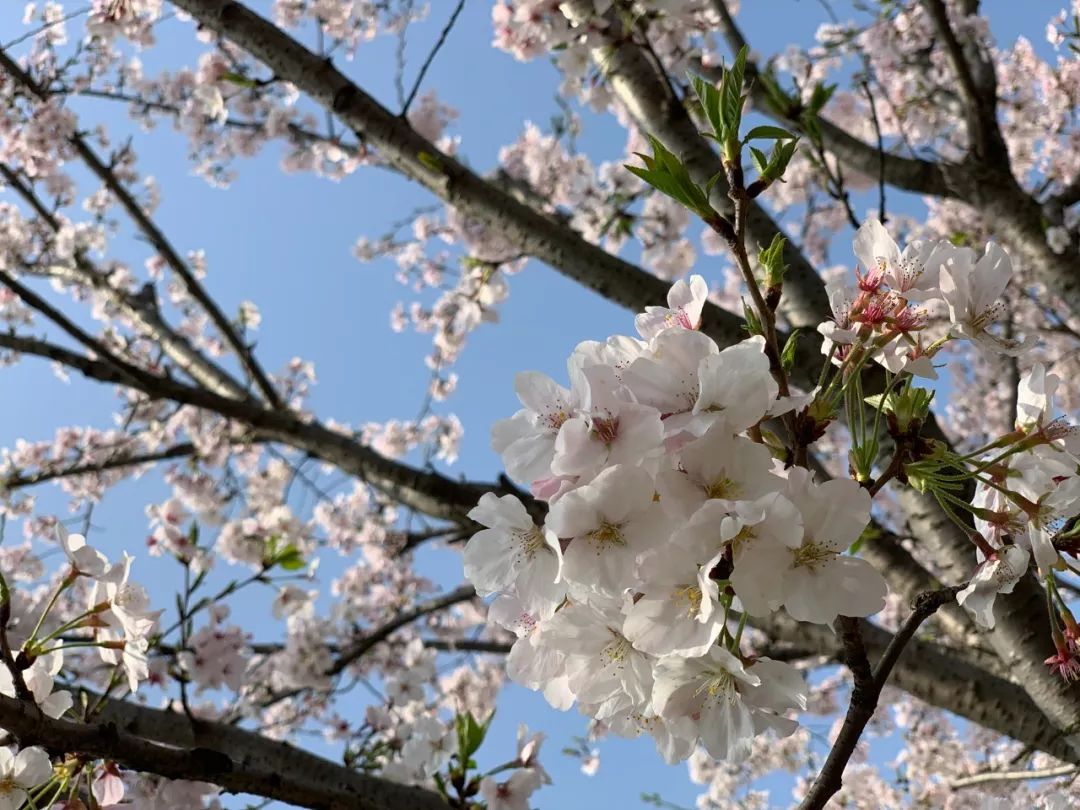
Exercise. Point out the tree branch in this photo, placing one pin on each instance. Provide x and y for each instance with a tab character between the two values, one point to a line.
935	675
356	650
911	174
866	690
534	233
977	87
142	312
646	92
427	492
1012	776
171	745
1021	635
156	238
20	481
468	645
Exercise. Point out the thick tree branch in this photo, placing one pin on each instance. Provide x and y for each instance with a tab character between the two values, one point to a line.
937	676
534	233
644	89
911	174
978	87
988	185
427	492
1021	635
240	761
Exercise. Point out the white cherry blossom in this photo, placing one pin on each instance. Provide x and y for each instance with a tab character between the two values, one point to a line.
602	665
526	441
513	553
609	523
686	300
737	385
39	680
716	465
20	773
972	287
999	574
821	582
677	611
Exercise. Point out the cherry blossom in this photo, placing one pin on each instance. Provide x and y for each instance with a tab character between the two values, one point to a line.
972	287
21	773
821	581
999	574
513	554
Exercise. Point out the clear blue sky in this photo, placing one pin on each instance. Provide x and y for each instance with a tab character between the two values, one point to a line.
284	241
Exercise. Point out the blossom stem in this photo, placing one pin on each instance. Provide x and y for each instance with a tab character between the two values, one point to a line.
977	539
63	585
68	625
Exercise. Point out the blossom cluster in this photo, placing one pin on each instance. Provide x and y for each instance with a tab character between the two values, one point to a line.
665	521
94	605
1027	486
662	516
886	309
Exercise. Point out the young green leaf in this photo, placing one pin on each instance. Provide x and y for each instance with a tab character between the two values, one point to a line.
753	323
761	163
731	90
787	355
767	132
238	79
709	98
820	97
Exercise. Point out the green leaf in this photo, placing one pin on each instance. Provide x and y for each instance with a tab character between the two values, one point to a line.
753	323
239	79
813	130
781	156
772	259
761	163
820	97
731	91
470	734
709	98
712	182
290	558
767	132
440	783
666	173
875	401
787	355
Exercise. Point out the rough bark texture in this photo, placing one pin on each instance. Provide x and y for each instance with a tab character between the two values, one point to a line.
171	745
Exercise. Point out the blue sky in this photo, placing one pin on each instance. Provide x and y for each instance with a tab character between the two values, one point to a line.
284	241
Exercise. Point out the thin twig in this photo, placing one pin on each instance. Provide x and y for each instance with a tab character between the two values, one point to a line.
1012	776
867	689
18	481
431	56
156	238
41	29
881	151
38	303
